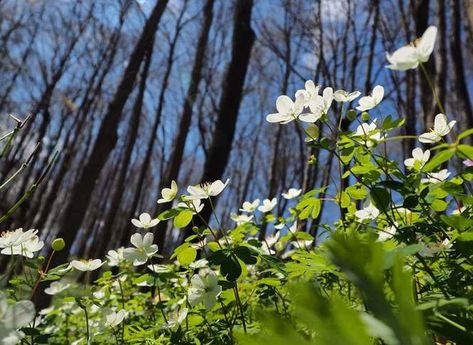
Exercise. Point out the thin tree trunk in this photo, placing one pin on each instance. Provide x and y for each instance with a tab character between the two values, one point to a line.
106	138
177	154
124	233
420	12
132	136
374	30
96	80
221	145
442	57
461	85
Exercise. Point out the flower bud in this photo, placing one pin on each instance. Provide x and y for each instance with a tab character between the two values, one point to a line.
41	259
351	114
365	116
58	244
312	160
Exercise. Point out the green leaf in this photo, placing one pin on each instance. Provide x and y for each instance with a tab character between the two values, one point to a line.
187	256
363	169
357	192
246	255
309	207
183	218
439	205
389	123
465	237
168	214
394	185
347	154
465	151
411	202
465	134
458	222
343	199
230	268
438	159
380	198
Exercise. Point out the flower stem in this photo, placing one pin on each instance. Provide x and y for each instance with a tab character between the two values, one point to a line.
237	297
432	87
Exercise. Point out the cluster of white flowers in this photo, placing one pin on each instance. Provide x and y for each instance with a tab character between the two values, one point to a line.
309	106
143	248
18	242
266	206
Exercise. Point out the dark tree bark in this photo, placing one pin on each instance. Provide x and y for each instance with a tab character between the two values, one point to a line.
221	145
468	5
106	138
420	13
92	91
461	86
442	57
175	161
41	108
132	136
374	31
124	234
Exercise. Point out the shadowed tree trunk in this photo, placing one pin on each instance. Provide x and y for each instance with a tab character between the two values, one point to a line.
106	138
144	170
120	184
221	145
442	57
175	161
92	91
459	67
421	16
374	31
468	5
41	108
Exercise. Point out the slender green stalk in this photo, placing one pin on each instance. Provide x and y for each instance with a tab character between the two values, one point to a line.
87	324
432	87
240	306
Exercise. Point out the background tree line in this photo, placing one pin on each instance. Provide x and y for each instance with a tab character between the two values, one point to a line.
136	94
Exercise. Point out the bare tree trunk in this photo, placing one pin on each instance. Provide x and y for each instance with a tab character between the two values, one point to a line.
459	67
420	12
132	136
374	30
468	5
124	232
177	154
442	57
106	138
221	145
